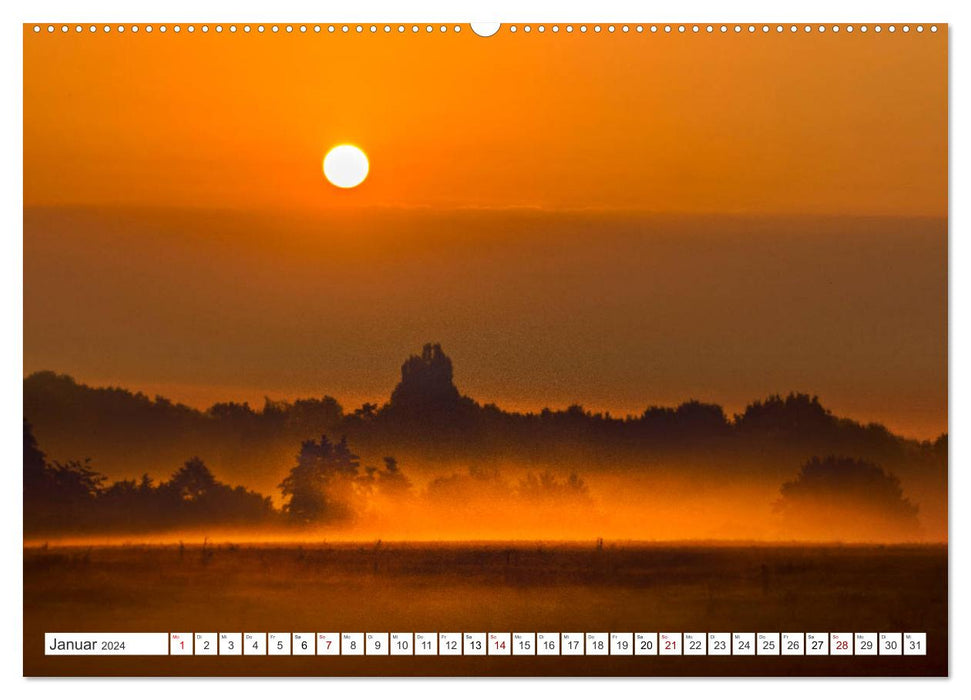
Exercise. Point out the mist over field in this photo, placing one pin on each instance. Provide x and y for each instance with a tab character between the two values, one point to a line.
433	464
655	337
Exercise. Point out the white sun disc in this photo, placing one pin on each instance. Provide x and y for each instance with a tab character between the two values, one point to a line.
345	166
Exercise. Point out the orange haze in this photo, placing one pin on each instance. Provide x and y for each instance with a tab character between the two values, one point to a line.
180	238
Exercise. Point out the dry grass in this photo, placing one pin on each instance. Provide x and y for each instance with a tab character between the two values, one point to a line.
486	587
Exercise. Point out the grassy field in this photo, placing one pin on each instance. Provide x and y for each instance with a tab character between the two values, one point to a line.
486	587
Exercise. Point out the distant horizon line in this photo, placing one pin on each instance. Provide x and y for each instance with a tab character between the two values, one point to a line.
350	407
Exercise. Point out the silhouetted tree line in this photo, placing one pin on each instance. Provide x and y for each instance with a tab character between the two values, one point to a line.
328	485
74	497
828	497
427	409
428	417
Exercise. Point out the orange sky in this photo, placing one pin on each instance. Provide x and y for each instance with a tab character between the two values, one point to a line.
817	123
179	235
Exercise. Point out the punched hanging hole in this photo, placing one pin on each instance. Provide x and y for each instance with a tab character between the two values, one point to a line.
485	28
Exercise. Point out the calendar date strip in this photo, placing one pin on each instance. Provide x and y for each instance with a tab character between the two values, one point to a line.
485	644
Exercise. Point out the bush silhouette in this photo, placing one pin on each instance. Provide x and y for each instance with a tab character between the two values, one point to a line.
839	498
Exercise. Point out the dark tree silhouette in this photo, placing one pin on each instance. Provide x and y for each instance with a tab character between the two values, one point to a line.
71	496
367	411
839	498
193	481
55	492
426	381
326	485
319	413
35	466
797	413
192	496
306	483
75	481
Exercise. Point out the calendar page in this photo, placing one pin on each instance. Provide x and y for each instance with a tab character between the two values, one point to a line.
532	349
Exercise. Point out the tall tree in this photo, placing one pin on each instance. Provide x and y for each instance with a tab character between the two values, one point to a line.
35	465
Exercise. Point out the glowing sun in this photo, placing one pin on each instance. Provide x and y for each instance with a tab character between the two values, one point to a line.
345	166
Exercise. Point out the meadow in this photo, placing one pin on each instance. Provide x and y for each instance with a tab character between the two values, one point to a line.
481	587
